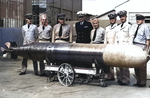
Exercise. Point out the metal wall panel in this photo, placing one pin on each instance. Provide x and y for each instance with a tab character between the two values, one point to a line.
12	12
10	34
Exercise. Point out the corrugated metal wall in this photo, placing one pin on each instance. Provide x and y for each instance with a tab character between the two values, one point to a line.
12	13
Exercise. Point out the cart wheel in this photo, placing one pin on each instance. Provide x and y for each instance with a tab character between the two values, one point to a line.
66	74
102	83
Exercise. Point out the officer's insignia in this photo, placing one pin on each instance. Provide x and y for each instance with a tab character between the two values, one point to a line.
113	27
130	23
85	26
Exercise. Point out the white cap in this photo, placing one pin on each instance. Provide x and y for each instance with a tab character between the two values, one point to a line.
81	13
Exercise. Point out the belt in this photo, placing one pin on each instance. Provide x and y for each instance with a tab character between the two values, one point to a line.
138	43
63	39
45	39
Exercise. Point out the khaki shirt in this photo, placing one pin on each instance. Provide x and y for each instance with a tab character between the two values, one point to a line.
110	34
100	32
66	34
46	33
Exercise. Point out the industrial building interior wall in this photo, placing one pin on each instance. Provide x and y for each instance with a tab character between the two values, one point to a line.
70	7
52	15
12	13
54	7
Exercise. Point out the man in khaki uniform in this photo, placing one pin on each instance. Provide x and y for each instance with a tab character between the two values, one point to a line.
97	34
110	39
61	31
44	31
124	36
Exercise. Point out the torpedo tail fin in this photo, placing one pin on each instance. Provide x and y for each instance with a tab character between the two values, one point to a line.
6	52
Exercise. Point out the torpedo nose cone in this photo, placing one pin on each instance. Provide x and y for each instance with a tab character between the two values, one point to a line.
128	56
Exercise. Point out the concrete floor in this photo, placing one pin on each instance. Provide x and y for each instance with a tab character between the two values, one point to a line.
12	85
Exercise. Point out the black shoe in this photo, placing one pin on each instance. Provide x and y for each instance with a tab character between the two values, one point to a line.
22	73
141	85
136	84
43	74
123	83
110	79
36	74
119	81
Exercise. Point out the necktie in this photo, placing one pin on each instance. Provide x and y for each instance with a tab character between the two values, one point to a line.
43	27
122	25
28	25
112	24
136	32
94	34
60	31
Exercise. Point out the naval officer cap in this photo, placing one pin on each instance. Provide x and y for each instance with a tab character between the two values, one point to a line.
81	13
112	16
122	13
61	16
139	17
28	16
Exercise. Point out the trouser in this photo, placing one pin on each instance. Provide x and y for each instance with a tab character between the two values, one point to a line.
42	67
111	73
141	75
24	65
141	72
123	74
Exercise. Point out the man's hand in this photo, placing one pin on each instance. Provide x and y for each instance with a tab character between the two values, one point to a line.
8	44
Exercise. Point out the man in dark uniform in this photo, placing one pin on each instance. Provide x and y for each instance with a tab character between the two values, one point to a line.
83	29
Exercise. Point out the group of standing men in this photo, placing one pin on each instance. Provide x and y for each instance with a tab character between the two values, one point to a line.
123	33
127	33
43	34
32	34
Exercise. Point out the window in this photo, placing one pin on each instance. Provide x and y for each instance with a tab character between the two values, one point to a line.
147	19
